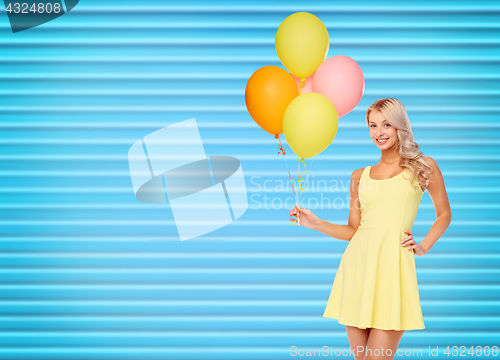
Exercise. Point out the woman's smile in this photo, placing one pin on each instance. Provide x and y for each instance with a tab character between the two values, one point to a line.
382	140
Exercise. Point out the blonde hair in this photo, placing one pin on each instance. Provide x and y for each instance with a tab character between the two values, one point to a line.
411	158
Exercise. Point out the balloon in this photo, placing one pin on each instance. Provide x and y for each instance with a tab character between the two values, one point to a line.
308	84
302	43
310	124
341	80
268	93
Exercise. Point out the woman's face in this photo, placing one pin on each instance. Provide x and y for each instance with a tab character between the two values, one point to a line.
383	134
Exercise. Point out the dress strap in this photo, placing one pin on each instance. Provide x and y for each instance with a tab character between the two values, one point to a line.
364	175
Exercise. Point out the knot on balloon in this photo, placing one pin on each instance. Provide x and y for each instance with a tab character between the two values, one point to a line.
282	151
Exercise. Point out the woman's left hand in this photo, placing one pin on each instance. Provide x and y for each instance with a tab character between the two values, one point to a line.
409	240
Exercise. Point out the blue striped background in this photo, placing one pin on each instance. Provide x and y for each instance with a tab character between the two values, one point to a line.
89	272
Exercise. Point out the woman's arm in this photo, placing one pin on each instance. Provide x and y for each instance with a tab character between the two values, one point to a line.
439	196
341	232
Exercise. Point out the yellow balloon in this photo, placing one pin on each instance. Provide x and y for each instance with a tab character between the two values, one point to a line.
302	43
310	124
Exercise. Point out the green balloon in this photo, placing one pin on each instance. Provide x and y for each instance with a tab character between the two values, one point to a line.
310	124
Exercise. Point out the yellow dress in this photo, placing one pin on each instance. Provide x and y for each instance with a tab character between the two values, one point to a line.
376	282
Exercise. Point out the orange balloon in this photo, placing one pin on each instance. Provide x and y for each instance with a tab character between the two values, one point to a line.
268	93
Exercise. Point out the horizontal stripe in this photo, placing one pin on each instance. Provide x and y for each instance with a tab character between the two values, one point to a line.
265	8
220	352
236	93
257	270
234	109
246	76
214	255
124	157
80	206
250	239
223	287
260	25
242	223
211	302
210	333
240	59
442	143
272	25
264	174
205	318
219	125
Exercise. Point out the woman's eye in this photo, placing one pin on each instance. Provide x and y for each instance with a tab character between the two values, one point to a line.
384	125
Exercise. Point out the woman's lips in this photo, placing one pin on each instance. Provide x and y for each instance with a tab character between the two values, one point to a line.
382	141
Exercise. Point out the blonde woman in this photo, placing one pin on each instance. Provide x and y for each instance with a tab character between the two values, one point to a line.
375	291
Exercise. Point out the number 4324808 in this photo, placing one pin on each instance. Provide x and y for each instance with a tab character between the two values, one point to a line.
41	8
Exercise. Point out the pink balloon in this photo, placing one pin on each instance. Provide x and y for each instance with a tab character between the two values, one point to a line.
341	80
308	83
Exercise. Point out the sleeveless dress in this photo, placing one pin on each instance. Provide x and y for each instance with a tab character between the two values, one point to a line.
376	281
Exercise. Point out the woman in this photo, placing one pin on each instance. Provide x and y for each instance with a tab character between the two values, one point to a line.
375	291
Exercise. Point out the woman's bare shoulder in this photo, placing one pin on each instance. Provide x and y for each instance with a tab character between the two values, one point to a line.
356	174
430	160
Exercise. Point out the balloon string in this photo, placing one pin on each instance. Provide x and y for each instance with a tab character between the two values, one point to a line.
298	172
282	151
300	180
302	84
307	178
297	202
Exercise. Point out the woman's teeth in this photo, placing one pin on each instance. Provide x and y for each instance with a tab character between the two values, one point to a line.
382	141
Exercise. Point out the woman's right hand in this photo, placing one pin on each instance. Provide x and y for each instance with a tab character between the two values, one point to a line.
306	217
